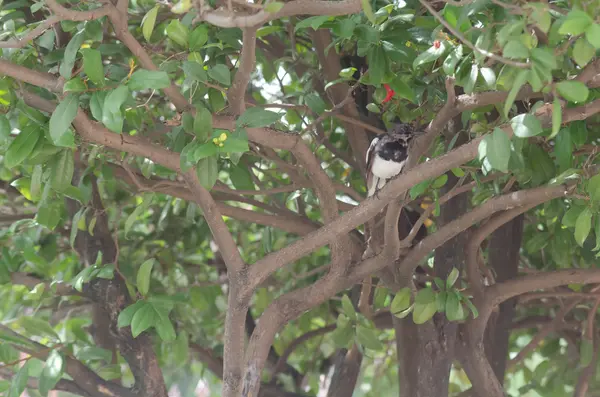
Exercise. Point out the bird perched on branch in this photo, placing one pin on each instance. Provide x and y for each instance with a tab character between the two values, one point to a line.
387	155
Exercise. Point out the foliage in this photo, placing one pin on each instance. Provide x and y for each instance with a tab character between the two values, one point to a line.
136	107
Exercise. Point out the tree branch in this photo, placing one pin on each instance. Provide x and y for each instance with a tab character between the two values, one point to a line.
32	34
237	93
224	19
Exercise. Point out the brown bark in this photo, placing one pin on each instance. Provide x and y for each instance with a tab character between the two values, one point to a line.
112	296
503	256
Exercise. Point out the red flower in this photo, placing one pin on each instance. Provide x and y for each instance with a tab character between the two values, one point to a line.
389	95
437	44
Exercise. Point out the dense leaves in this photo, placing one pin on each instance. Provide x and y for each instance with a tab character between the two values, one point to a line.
111	128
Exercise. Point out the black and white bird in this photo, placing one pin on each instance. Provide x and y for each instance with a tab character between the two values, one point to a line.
387	155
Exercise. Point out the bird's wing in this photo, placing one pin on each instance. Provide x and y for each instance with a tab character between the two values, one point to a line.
372	180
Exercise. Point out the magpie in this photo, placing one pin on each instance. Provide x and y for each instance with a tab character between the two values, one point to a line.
387	155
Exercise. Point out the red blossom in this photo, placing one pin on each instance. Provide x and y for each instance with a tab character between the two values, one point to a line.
389	95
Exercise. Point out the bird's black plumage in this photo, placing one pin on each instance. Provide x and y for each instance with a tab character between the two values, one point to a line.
387	156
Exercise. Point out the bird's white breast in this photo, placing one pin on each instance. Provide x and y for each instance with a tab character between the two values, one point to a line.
386	169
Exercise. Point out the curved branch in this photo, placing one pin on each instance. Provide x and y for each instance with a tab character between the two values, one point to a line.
500	292
224	19
236	94
472	248
32	34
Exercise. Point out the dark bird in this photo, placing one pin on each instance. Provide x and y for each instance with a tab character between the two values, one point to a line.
387	155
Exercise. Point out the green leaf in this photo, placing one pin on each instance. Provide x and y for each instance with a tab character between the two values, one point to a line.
452	277
148	198
403	90
74	85
19	382
5	129
92	65
378	64
48	215
52	372
143	276
61	120
429	55
540	15
127	314
70	54
178	32
62	166
574	91
144	318
343	335
576	23
425	295
198	37
312	22
472	79
592	34
452	60
556	117
368	10
570	217
544	57
203	123
454	310
583	226
368	338
516	50
202	151
274	7
401	301
593	187
489	76
195	71
112	117
520	79
241	178
164	326
22	146
220	73
526	125
510	30
439	181
97	104
423	312
597	232
498	150
563	148
257	117
348	308
583	52
207	172
149	21
148	79
37	326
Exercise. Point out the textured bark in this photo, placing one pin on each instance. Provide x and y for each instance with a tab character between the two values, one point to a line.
503	257
112	296
426	352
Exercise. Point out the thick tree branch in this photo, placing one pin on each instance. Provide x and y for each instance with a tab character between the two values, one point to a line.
224	19
237	93
500	292
472	248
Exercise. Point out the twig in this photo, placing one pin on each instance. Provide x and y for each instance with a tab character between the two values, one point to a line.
464	40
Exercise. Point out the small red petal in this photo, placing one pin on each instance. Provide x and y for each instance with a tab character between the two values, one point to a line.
389	95
437	44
